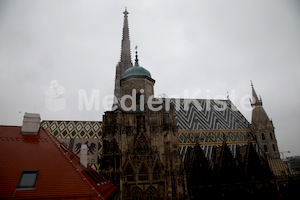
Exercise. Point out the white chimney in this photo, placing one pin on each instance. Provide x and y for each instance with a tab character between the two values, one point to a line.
31	124
84	155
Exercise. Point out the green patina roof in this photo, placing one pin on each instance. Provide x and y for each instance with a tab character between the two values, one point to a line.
136	70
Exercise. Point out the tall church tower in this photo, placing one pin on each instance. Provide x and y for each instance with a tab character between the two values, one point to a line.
125	60
140	142
262	127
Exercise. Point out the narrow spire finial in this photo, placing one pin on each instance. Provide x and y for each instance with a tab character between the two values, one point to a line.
125	49
125	57
136	54
251	83
255	100
125	12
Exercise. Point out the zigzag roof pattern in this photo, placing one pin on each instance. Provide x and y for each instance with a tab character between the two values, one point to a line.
195	114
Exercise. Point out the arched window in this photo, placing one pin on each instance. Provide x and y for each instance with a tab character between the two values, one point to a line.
271	136
143	173
265	148
156	172
136	194
142	146
129	173
274	147
139	102
263	136
151	193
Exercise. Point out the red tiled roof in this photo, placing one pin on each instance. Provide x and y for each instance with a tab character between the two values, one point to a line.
60	173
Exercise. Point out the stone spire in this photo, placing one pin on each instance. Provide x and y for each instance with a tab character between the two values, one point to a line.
125	60
262	127
259	114
125	50
255	101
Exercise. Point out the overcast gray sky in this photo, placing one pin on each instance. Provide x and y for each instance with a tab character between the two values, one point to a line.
193	48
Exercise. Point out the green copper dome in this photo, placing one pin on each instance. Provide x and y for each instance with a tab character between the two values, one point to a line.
136	70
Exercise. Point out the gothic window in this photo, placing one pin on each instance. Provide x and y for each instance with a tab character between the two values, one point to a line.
142	145
156	172
274	147
141	124
136	194
138	98
129	130
263	136
139	102
271	136
265	148
129	173
143	173
151	193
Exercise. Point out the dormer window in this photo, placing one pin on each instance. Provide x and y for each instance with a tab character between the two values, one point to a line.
28	180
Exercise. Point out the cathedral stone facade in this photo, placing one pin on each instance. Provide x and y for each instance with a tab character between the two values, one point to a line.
160	148
140	154
140	142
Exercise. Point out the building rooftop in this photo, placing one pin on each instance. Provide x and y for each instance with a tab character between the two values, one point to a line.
39	166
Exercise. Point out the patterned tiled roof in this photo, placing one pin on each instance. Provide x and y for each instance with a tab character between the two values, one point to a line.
195	114
72	133
74	129
60	174
279	168
209	123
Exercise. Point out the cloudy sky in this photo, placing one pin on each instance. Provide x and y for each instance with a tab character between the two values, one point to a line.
55	55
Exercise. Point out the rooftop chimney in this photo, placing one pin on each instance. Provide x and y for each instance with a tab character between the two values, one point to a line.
84	155
31	124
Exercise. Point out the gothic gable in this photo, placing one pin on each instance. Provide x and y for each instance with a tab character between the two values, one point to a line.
225	166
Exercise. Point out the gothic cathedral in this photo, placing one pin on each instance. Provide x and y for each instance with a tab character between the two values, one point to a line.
140	146
160	148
